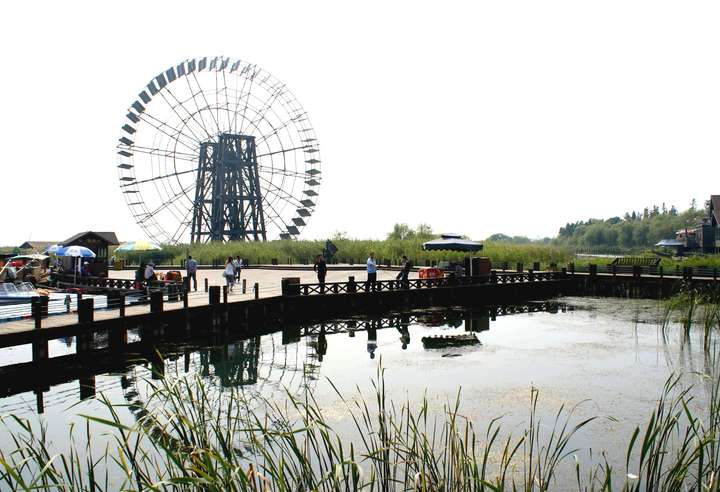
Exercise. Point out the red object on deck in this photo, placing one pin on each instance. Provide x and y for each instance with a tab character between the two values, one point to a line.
430	272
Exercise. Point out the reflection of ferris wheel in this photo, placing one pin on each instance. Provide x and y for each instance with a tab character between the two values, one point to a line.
218	149
261	367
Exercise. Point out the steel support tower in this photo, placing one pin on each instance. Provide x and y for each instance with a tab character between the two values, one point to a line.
228	199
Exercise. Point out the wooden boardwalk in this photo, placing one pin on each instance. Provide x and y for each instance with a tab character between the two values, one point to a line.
269	282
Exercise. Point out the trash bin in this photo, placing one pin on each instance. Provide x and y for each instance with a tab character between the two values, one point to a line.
290	286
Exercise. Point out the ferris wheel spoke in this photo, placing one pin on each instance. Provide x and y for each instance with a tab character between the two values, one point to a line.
268	104
183	227
238	99
207	104
187	110
154	178
169	202
275	190
173	108
275	131
161	127
165	153
282	226
227	101
198	110
282	171
284	151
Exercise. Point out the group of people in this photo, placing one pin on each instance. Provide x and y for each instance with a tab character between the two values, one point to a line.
233	267
320	268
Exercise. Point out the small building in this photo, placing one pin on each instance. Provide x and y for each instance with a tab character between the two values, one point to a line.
37	246
99	243
704	236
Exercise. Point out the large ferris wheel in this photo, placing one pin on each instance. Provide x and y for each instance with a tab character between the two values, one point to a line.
217	149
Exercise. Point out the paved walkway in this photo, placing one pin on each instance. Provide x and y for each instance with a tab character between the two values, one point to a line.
268	280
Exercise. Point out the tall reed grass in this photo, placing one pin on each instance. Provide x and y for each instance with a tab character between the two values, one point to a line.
348	250
192	437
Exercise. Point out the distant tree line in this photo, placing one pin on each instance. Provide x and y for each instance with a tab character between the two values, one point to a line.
634	230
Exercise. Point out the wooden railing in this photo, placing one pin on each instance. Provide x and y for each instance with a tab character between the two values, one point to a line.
352	286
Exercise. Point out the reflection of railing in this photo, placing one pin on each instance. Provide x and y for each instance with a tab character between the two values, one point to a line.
434	318
352	286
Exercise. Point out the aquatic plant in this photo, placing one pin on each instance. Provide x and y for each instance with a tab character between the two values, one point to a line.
190	436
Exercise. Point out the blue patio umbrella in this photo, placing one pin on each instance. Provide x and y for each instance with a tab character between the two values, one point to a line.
77	252
55	249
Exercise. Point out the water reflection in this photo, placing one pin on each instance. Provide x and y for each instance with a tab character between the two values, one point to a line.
291	360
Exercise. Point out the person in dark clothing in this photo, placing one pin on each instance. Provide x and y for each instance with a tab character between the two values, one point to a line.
402	276
321	270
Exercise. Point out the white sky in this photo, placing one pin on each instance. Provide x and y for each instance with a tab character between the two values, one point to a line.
477	118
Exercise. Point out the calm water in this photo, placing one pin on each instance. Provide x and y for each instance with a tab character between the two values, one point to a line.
608	354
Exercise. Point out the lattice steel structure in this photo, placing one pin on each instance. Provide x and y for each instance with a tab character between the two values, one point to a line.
217	149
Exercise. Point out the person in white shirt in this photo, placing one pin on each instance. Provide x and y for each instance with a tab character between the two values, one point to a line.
230	273
371	273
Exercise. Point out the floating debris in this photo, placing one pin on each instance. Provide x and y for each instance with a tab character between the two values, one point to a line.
442	341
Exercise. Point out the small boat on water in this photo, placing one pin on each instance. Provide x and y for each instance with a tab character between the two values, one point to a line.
444	341
22	292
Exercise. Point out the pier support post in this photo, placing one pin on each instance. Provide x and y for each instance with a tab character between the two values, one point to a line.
87	387
86	314
39	344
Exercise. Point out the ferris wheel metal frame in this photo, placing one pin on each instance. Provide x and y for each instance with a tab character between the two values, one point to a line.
218	149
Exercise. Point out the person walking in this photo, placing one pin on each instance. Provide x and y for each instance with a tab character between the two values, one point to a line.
371	273
191	268
238	267
229	274
402	276
321	270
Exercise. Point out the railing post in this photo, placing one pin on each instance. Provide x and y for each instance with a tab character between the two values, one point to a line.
256	288
637	271
571	267
225	293
531	275
351	285
592	269
185	299
214	295
36	311
156	301
121	302
519	267
244	285
536	266
206	284
85	311
613	267
493	277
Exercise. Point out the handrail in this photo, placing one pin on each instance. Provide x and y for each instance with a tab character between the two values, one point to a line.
353	286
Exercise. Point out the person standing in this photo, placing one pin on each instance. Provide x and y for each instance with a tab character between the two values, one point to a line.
371	272
191	268
229	273
404	272
321	270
